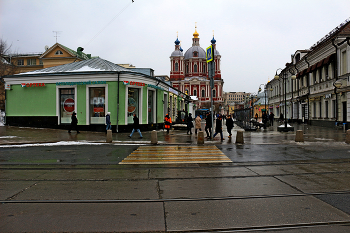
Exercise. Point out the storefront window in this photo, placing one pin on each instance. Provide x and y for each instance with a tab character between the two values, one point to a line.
133	104
97	105
67	105
150	107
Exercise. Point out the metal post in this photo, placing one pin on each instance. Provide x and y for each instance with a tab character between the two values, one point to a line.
285	102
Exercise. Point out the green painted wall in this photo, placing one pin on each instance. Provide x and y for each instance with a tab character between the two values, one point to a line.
81	104
31	101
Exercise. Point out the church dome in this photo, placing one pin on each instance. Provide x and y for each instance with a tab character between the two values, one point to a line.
190	52
177	53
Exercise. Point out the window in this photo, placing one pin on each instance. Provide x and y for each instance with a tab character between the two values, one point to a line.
186	68
151	106
176	66
195	68
326	105
214	93
203	93
133	104
204	70
97	105
320	108
344	63
67	104
58	52
320	74
20	62
195	92
326	72
195	54
31	62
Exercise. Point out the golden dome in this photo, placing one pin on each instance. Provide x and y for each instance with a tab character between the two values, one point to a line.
195	34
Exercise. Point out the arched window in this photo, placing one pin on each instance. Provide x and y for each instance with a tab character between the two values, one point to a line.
204	70
176	66
195	92
214	93
186	68
195	68
58	52
195	54
203	93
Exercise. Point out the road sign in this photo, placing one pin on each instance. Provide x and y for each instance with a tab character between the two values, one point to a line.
209	54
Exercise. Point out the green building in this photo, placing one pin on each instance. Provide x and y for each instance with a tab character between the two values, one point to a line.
91	88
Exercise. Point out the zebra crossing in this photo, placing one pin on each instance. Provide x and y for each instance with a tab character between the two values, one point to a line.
176	155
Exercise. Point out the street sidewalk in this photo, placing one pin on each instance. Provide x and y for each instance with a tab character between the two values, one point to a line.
11	135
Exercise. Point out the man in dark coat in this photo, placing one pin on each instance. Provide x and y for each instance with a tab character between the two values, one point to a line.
74	123
108	121
218	127
136	126
208	125
189	123
229	124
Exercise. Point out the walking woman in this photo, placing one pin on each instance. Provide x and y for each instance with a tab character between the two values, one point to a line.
189	123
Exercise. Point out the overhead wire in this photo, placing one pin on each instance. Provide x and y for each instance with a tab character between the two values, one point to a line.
116	16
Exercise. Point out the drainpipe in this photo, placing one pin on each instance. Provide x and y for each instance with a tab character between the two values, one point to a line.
336	78
118	104
297	86
308	91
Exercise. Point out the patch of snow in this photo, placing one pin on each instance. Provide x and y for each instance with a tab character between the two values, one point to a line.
85	69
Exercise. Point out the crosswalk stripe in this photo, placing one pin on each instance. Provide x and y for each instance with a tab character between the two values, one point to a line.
176	154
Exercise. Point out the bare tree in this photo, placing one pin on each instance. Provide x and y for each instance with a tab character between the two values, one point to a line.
6	68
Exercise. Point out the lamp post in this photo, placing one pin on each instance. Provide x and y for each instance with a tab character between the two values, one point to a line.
285	77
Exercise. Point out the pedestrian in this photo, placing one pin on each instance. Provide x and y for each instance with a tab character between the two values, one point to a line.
74	123
271	118
218	127
264	119
167	122
229	125
189	123
281	118
136	126
208	125
198	121
108	121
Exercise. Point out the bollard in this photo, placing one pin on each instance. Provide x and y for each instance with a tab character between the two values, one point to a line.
239	137
200	139
154	139
109	136
348	136
299	136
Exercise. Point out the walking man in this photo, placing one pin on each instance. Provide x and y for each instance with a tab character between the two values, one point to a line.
229	124
74	123
108	121
208	125
136	126
218	127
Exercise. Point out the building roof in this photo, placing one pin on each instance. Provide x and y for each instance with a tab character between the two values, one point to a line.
94	64
200	50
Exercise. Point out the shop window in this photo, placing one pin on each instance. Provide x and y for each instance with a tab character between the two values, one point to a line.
150	107
133	104
67	104
97	105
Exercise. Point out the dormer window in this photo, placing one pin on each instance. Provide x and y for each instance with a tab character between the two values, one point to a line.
59	52
195	54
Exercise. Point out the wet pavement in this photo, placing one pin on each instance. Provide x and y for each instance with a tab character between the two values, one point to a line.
52	181
24	135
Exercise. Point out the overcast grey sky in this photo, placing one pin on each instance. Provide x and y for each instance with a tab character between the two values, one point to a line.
254	37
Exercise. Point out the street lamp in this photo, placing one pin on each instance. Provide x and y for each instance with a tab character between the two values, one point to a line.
285	77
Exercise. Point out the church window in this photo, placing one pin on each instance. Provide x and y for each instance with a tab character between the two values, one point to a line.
214	93
58	52
195	68
203	93
195	92
176	66
204	70
195	54
186	68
